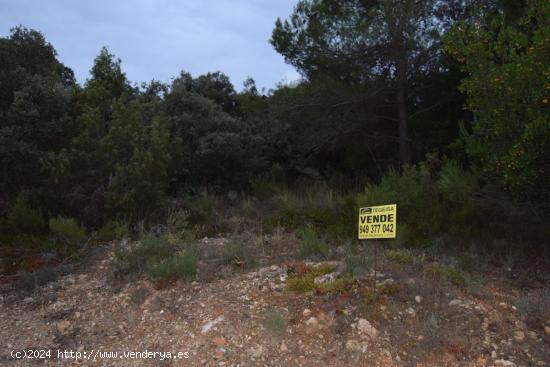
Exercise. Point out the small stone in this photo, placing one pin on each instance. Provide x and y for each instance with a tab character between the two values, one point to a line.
210	324
418	299
547	330
455	302
519	336
485	324
366	328
504	363
219	341
411	311
312	321
327	278
494	354
256	352
63	326
353	346
283	347
307	312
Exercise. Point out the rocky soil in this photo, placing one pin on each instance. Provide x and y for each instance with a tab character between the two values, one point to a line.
248	319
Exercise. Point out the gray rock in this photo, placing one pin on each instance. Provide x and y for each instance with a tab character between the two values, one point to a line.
327	278
504	363
367	329
455	302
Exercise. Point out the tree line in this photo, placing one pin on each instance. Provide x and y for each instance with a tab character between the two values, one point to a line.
384	83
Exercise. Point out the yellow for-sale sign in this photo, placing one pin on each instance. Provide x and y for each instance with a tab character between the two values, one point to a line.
378	222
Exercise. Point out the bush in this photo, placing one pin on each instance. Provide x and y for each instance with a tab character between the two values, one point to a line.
357	262
305	282
182	266
112	230
178	226
399	256
21	218
201	209
447	273
68	229
415	194
312	243
149	250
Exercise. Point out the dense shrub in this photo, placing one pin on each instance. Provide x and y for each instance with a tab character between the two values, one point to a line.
181	266
21	218
418	204
201	208
68	230
133	260
112	230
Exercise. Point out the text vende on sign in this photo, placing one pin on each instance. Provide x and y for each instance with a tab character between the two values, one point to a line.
378	222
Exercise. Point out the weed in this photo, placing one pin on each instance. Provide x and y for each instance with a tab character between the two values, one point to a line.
28	281
321	269
178	226
368	297
382	293
304	281
21	218
357	263
182	266
149	250
68	229
237	253
201	209
112	230
450	274
300	284
312	243
337	286
400	256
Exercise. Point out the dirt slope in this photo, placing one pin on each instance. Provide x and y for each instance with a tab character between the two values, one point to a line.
249	320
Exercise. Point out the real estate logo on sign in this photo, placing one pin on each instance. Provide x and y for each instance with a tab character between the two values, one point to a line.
378	222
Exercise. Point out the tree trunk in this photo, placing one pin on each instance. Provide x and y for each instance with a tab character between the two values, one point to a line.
403	133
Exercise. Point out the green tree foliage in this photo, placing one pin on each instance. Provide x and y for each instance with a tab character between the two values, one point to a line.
119	159
35	97
377	92
389	49
508	85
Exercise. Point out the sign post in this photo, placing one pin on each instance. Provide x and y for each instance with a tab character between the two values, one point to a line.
377	222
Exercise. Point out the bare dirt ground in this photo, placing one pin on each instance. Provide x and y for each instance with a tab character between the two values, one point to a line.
248	319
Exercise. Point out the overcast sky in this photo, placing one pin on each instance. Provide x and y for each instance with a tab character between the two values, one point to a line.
159	38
